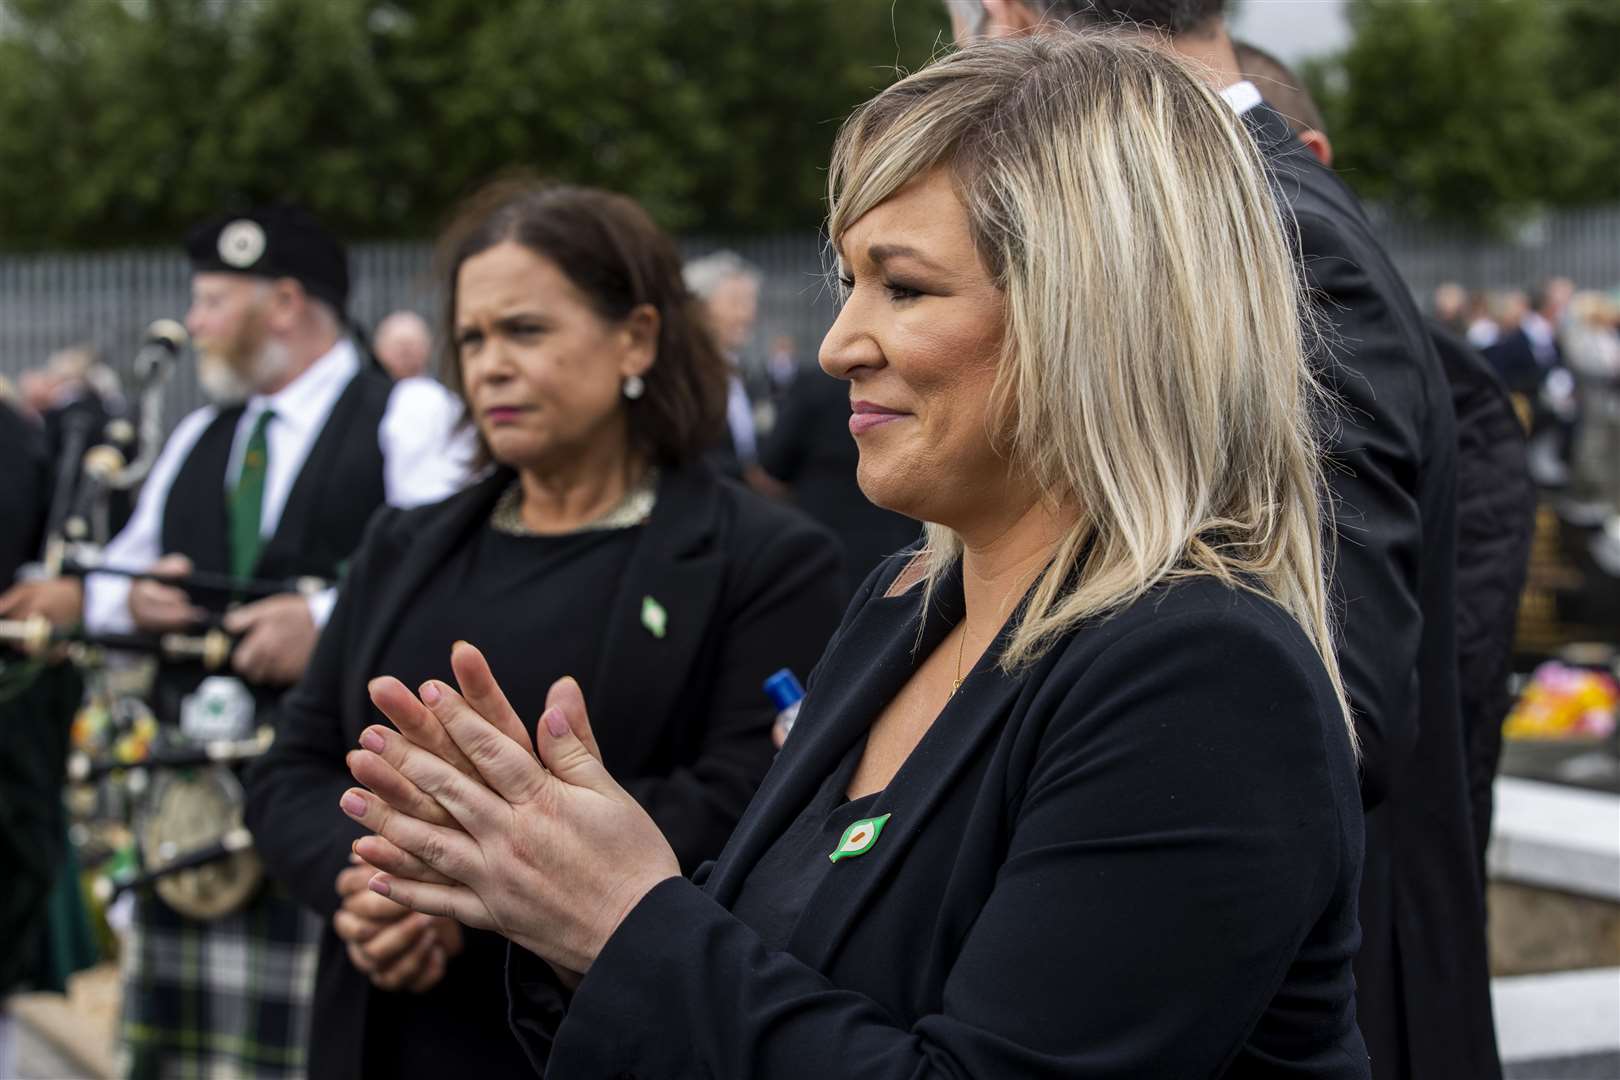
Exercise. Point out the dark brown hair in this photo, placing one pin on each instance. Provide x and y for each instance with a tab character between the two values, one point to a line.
613	253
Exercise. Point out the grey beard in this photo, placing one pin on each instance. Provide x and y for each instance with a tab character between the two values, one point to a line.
220	382
224	385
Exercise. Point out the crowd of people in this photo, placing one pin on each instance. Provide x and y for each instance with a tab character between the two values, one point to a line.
1124	538
1558	346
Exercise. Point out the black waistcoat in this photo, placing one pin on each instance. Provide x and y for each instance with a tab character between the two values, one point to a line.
338	487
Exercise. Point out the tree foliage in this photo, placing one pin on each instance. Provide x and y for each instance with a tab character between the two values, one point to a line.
1478	111
124	120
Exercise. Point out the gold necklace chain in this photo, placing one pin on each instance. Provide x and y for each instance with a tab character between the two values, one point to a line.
960	646
634	508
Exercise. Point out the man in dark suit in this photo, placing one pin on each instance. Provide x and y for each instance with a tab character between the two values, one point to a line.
1423	982
811	452
1496	501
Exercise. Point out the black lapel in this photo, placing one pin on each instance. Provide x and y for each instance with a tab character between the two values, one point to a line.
1270	130
298	514
196	513
973	718
875	656
446	530
678	564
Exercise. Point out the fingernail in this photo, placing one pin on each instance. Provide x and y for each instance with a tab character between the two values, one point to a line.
556	723
379	885
459	642
353	805
431	693
372	740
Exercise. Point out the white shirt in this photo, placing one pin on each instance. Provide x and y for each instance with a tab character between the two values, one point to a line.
425	459
740	418
1242	96
1543	339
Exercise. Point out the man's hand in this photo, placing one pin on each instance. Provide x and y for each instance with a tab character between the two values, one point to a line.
394	948
61	600
158	608
278	635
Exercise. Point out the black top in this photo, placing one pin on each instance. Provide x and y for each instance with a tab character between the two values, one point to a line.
747	586
1137	857
773	897
1422	975
532	604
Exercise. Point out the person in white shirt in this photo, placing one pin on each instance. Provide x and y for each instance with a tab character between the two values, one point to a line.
403	344
728	286
272	483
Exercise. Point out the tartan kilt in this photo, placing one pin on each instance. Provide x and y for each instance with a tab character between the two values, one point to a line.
218	1000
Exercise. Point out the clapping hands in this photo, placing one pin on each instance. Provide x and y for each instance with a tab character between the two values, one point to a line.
476	822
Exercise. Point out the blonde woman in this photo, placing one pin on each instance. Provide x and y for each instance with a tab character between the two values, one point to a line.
1073	792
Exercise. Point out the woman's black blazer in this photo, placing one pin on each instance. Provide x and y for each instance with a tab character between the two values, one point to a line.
1138	858
752	587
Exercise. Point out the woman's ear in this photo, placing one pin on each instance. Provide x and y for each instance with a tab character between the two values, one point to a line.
640	336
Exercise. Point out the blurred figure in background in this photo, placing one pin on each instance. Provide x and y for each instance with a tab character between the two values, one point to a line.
1483	329
728	287
1528	357
403	344
32	747
1451	307
813	454
1526	345
84	398
781	365
1591	350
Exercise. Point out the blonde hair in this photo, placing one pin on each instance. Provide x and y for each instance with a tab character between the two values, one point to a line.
1154	372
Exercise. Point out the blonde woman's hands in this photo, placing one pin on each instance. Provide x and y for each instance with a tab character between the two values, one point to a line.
473	824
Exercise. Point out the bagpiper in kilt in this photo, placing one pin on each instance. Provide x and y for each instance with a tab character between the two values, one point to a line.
274	483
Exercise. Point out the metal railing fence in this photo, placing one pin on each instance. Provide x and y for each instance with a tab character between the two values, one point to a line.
106	299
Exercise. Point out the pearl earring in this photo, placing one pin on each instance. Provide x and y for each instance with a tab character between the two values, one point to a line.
634	386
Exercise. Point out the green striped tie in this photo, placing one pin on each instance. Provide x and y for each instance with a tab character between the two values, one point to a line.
247	499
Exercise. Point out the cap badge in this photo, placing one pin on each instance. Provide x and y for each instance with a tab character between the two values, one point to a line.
241	243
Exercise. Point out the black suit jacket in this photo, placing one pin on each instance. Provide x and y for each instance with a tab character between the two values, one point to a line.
1514	360
1423	981
1136	858
684	726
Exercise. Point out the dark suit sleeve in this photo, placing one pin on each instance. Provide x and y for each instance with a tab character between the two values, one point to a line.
785	607
24	494
784	450
1180	832
1376	461
293	790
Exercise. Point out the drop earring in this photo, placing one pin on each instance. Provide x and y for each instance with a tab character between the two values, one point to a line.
634	386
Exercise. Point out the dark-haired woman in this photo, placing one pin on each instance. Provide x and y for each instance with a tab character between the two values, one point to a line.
600	547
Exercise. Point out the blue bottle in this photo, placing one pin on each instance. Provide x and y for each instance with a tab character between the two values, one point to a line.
786	694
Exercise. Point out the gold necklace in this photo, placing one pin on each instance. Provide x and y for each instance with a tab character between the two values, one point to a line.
960	646
634	508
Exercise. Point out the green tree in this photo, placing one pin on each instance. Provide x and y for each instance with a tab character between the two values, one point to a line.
123	120
1476	110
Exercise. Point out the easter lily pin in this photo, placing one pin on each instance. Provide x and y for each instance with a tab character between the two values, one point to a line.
859	838
654	617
